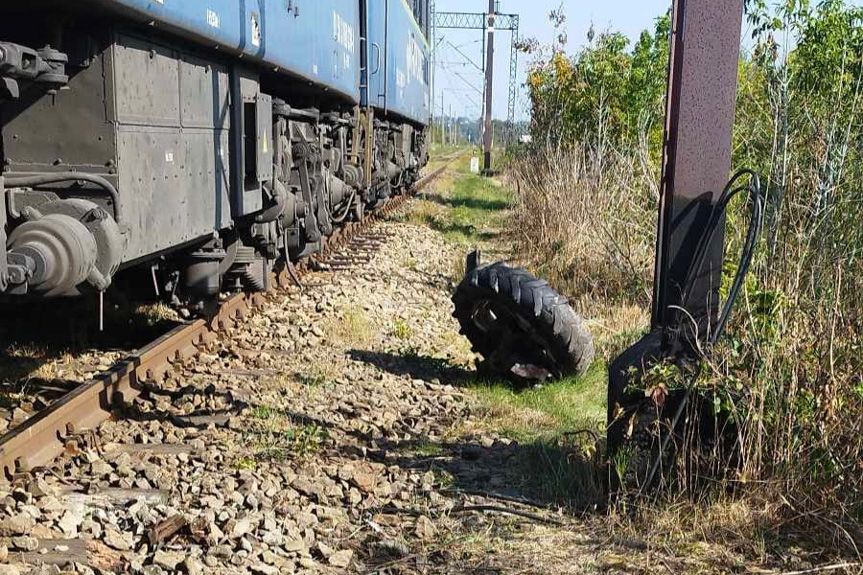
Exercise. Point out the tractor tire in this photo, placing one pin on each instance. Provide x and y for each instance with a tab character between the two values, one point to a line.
512	318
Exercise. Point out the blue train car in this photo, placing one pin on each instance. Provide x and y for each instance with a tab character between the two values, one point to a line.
199	143
318	41
399	58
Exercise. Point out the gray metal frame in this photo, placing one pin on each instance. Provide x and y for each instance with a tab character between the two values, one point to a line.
478	21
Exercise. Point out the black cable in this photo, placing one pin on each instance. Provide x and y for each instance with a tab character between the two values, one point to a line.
755	227
341	219
717	217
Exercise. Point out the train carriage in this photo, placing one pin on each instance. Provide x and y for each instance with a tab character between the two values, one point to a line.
200	142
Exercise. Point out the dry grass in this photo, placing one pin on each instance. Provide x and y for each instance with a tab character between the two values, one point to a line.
789	369
23	362
156	313
587	225
351	328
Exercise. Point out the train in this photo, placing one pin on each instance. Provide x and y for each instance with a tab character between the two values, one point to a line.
195	146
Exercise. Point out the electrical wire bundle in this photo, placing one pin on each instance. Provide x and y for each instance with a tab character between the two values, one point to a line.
717	218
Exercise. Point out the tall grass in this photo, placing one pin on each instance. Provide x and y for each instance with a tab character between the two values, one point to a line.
589	224
790	366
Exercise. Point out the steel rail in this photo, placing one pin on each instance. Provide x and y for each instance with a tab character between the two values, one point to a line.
60	427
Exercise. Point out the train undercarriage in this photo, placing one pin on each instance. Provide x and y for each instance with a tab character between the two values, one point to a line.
125	153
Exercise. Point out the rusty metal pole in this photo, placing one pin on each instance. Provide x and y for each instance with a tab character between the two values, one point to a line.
700	108
702	96
489	83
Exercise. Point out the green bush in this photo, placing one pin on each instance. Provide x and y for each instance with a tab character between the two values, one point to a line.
586	214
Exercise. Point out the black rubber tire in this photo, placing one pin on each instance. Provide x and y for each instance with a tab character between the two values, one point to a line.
560	331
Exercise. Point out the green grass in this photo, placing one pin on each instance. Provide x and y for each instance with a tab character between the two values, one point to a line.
473	207
401	330
265	412
273	435
428	449
557	426
548	411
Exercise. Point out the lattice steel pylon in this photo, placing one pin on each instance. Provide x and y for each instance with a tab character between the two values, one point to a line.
478	21
513	81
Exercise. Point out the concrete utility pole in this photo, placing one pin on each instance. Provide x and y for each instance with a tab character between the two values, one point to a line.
442	121
452	127
489	83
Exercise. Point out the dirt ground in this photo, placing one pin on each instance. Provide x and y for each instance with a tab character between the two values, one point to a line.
340	430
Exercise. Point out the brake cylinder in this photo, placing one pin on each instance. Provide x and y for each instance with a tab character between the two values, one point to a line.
60	250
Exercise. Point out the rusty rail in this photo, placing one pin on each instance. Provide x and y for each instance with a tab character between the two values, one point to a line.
58	428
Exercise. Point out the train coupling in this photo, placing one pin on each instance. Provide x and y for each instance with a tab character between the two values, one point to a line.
45	67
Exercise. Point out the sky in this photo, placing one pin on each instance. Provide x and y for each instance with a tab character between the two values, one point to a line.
459	83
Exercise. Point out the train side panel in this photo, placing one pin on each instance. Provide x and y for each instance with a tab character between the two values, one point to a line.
199	144
399	61
318	41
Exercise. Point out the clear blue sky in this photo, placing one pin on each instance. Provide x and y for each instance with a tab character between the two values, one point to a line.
459	81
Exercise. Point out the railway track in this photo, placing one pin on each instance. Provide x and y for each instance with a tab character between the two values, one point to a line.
65	426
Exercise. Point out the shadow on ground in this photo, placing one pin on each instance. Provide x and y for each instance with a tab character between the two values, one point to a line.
563	473
468	230
554	472
36	334
416	366
199	418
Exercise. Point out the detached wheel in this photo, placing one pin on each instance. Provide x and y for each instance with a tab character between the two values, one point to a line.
523	328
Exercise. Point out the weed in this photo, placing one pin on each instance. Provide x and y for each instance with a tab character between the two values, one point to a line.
351	328
296	442
443	479
265	412
401	330
274	436
564	471
246	463
457	269
428	449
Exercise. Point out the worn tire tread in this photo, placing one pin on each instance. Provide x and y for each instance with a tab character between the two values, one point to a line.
534	300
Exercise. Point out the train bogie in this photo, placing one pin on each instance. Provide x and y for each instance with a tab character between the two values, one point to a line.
200	148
